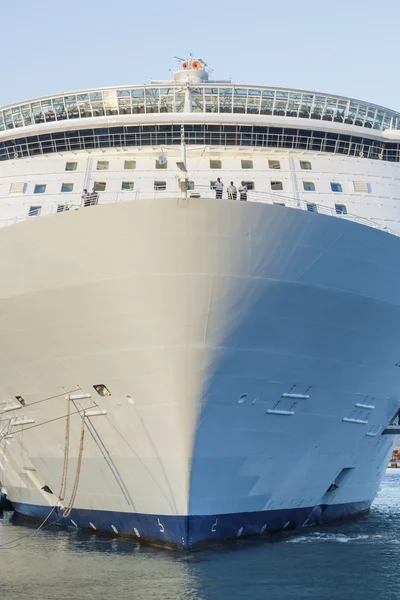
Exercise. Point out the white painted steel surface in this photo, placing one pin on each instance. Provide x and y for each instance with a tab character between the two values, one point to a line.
181	308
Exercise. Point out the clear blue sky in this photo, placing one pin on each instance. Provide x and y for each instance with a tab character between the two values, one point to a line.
347	47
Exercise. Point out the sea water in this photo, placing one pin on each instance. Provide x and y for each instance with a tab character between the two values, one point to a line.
357	560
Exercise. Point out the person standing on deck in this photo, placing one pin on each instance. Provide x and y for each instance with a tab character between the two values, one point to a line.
243	191
93	198
85	197
219	187
232	191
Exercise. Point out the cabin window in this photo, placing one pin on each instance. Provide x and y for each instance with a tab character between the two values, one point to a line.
340	209
39	188
306	165
67	187
130	165
215	164
190	185
34	211
102	165
160	186
18	188
161	163
249	185
276	186
127	186
309	186
274	164
336	187
247	164
311	207
62	208
71	166
100	186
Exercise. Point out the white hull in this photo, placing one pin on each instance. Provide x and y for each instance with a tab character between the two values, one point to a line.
199	316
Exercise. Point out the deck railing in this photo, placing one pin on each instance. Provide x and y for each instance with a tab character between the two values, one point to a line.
60	205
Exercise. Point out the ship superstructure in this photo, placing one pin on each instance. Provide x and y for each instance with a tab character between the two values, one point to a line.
165	349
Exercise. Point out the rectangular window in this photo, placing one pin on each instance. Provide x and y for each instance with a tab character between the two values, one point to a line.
249	185
67	187
309	186
190	185
102	165
340	209
311	207
18	188
62	208
362	187
71	166
306	165
100	186
160	186
276	186
274	164
215	164
39	188
130	165
247	164
161	163
336	187
212	185
127	186
34	211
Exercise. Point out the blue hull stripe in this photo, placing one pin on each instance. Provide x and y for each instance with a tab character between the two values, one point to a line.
193	532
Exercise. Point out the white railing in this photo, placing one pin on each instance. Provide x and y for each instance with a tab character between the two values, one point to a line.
59	205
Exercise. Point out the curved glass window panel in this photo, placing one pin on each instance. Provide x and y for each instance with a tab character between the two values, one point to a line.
197	96
211	100
152	100
253	102
225	100
239	100
138	103
180	98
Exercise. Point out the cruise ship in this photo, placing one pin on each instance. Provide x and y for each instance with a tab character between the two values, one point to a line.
182	363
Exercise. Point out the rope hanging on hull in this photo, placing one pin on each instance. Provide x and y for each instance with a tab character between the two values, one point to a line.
70	506
64	476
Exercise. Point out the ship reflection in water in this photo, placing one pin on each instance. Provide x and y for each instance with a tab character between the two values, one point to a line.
354	559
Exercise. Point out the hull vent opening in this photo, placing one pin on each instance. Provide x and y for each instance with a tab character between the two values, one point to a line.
102	390
337	484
